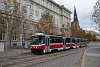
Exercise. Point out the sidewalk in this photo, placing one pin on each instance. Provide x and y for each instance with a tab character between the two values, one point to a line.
14	51
91	57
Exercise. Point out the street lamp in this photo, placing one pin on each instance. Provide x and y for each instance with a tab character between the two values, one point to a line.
23	41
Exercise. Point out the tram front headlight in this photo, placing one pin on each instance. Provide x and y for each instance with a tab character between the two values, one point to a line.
33	47
36	47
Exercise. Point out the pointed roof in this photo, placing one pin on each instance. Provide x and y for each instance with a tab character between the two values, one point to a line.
75	22
75	15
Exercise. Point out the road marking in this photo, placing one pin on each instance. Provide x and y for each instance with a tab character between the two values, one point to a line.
96	47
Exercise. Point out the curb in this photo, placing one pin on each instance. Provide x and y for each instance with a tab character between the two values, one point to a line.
83	59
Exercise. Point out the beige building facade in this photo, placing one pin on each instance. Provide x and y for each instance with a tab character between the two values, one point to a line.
31	10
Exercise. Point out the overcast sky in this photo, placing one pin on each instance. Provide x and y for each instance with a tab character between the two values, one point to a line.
84	10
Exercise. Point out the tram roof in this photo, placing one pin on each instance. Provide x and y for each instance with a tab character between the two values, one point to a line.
47	35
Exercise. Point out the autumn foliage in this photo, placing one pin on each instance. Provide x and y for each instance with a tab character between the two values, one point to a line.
46	24
79	33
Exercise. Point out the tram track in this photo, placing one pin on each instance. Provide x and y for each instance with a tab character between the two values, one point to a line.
29	60
46	59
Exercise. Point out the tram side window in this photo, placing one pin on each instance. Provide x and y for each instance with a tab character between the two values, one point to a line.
50	39
73	40
85	40
81	40
77	40
59	40
54	40
67	40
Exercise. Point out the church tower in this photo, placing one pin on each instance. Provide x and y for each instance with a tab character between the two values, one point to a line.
75	15
75	23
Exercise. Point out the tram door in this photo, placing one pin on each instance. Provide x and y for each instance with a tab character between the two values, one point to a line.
47	44
76	42
64	42
80	42
71	42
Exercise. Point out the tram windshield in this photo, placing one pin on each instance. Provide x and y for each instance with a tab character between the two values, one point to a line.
37	40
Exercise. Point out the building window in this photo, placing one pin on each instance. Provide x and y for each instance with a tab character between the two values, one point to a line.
30	16
24	2
24	14
24	25
54	8
37	15
2	35
42	2
31	6
15	10
3	20
11	9
31	26
14	36
42	10
49	6
58	10
2	6
16	0
36	8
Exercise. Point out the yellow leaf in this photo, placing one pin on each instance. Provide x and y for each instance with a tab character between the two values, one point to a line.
46	25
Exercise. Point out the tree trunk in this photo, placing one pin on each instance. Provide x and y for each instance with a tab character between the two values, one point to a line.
10	38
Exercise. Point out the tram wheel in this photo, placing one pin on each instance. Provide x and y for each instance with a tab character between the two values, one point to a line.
71	47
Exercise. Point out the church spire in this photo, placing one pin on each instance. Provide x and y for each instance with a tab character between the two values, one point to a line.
75	15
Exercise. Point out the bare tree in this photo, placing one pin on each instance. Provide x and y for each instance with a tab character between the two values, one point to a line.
12	17
96	15
68	29
63	29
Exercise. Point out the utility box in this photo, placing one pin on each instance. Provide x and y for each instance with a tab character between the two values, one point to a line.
1	47
26	44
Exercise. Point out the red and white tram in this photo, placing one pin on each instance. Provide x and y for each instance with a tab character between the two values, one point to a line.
46	43
85	42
